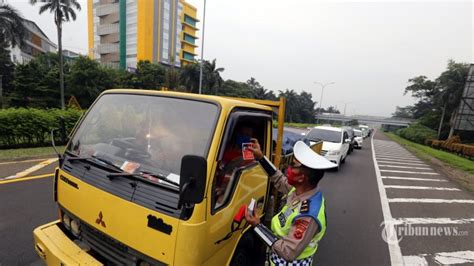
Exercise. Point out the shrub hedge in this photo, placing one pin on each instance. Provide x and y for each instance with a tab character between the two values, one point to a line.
32	127
417	133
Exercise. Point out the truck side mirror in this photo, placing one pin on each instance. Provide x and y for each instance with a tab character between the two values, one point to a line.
192	179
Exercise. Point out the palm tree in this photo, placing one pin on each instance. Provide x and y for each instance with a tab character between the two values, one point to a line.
212	75
63	11
12	30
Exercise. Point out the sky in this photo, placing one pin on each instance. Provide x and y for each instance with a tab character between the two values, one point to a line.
369	49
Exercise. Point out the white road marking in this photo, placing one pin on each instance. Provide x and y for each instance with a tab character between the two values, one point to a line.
34	168
396	157
422	188
413	200
402	163
409	172
406	155
423	220
457	257
406	167
24	161
414	178
415	260
443	258
399	160
393	246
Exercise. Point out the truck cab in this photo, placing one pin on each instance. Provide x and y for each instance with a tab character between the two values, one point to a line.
159	178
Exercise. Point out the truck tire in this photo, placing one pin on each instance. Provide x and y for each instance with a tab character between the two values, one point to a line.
241	257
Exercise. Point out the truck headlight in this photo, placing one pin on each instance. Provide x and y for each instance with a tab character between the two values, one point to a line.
67	221
75	228
333	153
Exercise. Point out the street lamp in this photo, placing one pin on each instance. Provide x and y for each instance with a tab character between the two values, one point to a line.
345	105
322	92
202	47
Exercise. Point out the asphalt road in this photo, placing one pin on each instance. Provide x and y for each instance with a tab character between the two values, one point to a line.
353	203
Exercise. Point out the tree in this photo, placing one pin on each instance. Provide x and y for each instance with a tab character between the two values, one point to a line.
259	92
63	11
212	77
353	123
87	79
12	32
403	112
149	76
190	77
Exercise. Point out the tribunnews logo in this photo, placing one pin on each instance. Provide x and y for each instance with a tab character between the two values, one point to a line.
393	232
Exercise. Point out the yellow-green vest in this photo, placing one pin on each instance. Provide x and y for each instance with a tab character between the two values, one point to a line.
288	215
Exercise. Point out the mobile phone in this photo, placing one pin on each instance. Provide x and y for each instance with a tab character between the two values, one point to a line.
247	153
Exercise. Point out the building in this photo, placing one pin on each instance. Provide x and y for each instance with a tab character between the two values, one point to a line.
121	33
36	42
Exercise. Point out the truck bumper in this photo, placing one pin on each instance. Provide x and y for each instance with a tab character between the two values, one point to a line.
55	247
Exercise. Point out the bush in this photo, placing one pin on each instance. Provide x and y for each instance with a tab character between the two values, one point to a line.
32	127
417	133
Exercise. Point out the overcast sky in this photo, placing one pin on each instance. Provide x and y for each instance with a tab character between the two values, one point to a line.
369	49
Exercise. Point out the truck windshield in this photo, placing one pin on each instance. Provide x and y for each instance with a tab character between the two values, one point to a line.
325	135
142	133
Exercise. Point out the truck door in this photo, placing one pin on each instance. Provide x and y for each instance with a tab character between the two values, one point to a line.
237	179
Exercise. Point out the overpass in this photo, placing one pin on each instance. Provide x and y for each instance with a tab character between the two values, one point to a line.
369	120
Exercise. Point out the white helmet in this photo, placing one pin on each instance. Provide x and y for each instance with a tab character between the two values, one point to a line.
309	158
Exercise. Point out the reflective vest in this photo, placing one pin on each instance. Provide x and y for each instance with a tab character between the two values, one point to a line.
282	222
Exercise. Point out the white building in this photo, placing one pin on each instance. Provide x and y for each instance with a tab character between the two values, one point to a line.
36	43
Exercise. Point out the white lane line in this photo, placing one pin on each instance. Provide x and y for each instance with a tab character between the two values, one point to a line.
422	188
34	168
397	157
393	246
395	154
405	167
414	178
424	220
457	257
443	258
402	163
24	161
409	172
415	260
412	200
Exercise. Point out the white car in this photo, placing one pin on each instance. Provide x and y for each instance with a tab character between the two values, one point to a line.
335	142
359	139
365	130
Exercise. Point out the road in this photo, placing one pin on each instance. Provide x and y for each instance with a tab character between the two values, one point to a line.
363	194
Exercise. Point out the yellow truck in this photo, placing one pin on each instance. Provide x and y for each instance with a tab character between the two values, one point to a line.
147	179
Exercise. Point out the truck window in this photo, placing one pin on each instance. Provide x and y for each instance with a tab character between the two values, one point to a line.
233	160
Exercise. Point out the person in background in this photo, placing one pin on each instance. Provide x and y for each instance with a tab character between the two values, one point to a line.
301	223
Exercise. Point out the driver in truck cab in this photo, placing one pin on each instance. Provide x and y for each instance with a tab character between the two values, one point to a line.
301	223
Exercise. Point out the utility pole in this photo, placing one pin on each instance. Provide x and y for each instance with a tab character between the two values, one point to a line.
202	47
321	99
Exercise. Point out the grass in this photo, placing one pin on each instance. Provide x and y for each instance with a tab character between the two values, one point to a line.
25	153
450	159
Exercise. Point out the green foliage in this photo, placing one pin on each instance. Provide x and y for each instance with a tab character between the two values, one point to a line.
417	133
87	79
149	76
435	95
32	127
12	30
299	107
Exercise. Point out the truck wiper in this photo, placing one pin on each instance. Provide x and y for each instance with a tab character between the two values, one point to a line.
98	161
142	177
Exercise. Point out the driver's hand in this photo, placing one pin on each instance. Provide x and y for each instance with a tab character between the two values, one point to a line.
257	152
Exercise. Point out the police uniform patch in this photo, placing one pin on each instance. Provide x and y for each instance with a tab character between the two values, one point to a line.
301	226
304	206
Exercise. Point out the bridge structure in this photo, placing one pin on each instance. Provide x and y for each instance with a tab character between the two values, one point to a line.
374	121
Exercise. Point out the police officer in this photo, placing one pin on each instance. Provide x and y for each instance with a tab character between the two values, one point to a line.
301	223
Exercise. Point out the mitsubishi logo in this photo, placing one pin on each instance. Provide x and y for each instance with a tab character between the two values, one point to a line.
99	220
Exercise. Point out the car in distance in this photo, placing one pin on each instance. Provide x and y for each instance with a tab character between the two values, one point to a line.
335	142
359	140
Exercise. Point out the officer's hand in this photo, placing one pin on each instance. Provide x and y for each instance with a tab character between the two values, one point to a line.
253	220
257	151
